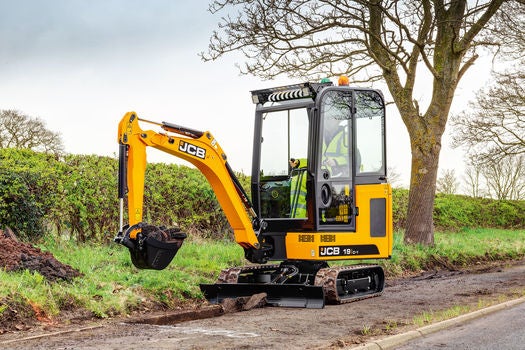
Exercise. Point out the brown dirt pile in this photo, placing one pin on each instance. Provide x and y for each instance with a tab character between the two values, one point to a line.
17	256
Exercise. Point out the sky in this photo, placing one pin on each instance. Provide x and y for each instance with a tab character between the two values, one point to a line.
80	65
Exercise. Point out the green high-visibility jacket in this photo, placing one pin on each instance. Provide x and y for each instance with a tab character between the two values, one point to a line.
337	149
298	191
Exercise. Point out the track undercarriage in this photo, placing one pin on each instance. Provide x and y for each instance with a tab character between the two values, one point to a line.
298	283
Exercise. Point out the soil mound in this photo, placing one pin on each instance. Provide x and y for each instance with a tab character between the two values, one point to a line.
16	256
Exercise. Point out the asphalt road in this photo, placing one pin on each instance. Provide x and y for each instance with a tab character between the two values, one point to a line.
504	329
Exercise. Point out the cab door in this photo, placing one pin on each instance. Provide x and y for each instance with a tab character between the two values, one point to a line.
335	198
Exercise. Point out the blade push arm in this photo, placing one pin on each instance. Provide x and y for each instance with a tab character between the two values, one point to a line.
200	149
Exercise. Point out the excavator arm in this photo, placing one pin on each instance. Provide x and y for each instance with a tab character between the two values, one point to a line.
154	247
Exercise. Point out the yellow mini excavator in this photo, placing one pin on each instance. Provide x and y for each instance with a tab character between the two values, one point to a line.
319	193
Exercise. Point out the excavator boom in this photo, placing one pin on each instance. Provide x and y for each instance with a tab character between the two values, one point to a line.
197	147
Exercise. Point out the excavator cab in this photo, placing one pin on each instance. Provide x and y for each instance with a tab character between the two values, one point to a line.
319	193
319	172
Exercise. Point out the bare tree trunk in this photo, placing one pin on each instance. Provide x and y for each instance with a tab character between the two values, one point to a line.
425	132
420	229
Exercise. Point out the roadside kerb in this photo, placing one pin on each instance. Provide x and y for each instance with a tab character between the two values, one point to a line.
399	339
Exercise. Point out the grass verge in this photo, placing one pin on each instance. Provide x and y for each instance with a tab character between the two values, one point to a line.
112	286
456	250
430	317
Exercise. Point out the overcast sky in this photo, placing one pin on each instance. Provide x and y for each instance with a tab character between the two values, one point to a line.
80	65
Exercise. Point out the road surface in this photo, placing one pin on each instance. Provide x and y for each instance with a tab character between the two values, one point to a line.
504	329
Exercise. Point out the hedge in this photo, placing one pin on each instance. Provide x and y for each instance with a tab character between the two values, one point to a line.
76	196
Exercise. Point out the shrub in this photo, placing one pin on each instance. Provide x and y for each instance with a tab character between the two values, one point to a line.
182	195
77	196
454	212
399	207
90	204
29	189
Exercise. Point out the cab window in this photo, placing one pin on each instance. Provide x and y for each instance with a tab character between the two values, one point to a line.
369	133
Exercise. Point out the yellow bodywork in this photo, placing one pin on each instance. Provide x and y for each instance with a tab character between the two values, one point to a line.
348	245
203	152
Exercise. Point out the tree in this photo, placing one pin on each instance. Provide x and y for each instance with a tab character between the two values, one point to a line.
502	179
18	130
508	27
505	179
447	183
473	180
394	177
369	40
494	127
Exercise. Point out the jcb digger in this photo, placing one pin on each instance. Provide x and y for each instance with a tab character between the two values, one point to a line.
319	193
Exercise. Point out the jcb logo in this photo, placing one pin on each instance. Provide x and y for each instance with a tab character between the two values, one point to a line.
192	149
328	251
306	238
327	238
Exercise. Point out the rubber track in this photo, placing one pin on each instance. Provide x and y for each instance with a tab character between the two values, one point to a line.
327	278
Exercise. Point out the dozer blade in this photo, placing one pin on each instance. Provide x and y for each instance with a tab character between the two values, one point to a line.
286	295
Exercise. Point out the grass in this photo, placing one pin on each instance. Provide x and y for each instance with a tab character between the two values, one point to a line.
111	285
456	250
366	330
430	317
